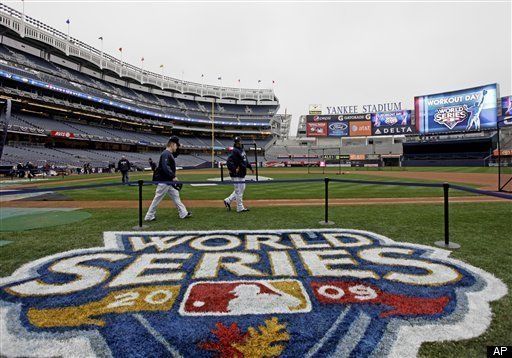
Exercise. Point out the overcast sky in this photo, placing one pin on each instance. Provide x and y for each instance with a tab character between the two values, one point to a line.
350	53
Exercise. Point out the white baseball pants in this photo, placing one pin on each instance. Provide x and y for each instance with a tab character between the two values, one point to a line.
161	190
237	194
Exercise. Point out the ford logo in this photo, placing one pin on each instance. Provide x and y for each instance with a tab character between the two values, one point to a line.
338	126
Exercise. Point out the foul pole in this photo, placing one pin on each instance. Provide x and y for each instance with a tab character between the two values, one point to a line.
6	118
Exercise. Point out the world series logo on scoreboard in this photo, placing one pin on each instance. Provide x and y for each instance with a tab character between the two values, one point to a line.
469	110
393	123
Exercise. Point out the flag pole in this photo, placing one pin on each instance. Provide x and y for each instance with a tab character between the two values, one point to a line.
142	73
68	38
213	133
22	26
162	75
182	81
101	55
122	64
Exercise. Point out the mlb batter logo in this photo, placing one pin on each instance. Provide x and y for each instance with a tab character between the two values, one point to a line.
286	293
245	297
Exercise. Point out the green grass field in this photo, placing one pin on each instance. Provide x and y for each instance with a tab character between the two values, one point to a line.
258	191
483	229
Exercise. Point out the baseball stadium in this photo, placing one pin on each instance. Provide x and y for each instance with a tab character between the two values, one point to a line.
381	230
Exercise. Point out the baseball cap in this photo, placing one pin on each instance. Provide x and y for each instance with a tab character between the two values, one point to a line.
237	139
174	139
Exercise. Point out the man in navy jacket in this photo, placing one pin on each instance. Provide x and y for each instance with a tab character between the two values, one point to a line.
237	164
124	167
166	172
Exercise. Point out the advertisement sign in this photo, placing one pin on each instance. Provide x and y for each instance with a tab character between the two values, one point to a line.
338	129
320	118
392	123
316	129
506	109
340	118
357	117
360	128
467	110
338	125
62	134
502	153
315	109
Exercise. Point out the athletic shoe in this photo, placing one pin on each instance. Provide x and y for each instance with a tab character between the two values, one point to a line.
243	210
227	205
189	214
148	220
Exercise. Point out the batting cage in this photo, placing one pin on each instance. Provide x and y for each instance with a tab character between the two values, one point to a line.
333	160
318	159
503	155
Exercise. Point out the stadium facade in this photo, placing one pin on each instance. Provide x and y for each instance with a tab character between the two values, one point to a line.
73	104
455	128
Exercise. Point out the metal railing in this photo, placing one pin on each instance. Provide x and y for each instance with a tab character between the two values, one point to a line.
141	183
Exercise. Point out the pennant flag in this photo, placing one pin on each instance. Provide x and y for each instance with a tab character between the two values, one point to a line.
239	80
202	75
161	66
68	22
219	78
273	82
142	59
259	81
100	38
120	49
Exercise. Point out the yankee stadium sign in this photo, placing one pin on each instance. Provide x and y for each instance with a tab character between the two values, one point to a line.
257	293
366	108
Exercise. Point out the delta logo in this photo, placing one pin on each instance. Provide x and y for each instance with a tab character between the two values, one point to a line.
286	293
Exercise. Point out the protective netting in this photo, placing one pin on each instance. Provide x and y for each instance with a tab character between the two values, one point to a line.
505	159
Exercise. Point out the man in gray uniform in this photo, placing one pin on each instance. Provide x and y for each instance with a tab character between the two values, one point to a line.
166	172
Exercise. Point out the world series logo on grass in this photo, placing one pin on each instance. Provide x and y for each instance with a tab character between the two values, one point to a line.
258	293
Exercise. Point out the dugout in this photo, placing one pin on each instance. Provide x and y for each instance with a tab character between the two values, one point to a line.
439	151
